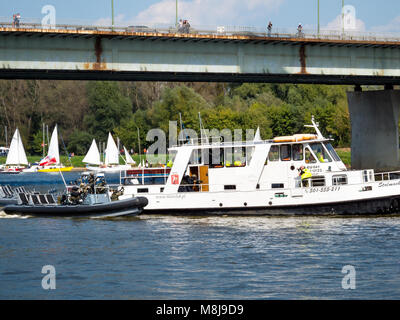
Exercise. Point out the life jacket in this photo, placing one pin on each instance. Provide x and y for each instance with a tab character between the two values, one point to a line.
306	174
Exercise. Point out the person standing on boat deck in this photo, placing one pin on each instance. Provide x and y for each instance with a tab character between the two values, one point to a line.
170	164
304	174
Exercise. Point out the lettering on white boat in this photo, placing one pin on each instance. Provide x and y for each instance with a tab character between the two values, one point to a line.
388	184
322	189
314	169
171	196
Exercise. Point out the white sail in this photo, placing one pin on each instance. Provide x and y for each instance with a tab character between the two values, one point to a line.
93	155
16	154
257	136
53	148
128	158
112	154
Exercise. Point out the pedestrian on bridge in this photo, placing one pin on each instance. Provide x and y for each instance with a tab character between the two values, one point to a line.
300	31
269	28
16	19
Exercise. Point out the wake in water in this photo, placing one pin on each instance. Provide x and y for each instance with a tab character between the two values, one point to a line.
3	215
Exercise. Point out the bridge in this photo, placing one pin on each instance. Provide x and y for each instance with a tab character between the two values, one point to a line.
145	54
82	53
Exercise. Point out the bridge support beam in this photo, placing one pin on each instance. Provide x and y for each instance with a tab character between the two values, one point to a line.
374	129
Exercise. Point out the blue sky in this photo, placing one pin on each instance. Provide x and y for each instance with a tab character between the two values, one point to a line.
372	15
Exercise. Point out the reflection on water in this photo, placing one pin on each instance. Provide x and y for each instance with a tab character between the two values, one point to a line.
168	257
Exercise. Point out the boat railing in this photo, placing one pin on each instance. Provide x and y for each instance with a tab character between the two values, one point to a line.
146	175
234	144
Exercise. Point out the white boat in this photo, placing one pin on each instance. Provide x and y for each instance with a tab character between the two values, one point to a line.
51	163
261	177
111	161
16	157
93	155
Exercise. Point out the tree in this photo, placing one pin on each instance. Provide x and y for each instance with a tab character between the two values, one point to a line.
79	142
107	108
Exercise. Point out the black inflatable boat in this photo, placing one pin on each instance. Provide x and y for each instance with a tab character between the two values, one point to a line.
95	205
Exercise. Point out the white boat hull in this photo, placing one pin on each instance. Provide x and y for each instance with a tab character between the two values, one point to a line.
379	197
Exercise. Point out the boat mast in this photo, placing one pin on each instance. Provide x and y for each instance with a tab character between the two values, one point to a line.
47	129
43	141
180	119
5	130
140	151
315	126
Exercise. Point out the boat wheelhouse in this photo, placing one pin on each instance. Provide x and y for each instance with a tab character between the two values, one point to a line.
262	177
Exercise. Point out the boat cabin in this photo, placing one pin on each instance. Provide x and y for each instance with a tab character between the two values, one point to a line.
247	166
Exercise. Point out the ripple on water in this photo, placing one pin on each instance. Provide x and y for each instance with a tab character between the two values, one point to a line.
166	257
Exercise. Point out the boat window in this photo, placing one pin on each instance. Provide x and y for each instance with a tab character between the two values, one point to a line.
309	156
339	180
320	152
214	157
332	151
249	154
277	186
297	150
317	181
229	187
195	157
235	157
142	190
273	153
171	155
286	152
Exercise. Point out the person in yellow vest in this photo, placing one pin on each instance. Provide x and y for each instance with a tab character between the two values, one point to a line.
319	156
169	164
227	164
304	174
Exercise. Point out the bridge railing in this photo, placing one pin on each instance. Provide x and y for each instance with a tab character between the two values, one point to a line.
290	33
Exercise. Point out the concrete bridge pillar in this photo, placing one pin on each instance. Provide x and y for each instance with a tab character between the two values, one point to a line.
374	119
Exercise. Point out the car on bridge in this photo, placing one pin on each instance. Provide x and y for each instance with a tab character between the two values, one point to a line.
140	29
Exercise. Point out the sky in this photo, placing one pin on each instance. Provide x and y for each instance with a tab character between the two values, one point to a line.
371	15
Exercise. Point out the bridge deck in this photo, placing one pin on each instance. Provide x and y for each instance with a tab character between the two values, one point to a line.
79	53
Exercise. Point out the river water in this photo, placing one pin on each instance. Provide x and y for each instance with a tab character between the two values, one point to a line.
169	257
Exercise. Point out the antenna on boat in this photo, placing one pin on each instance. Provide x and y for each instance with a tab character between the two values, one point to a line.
180	120
62	176
201	131
315	126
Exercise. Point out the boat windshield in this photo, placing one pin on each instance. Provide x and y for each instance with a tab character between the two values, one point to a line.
332	151
322	155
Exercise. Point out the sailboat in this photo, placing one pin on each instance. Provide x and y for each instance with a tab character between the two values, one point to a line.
111	161
128	158
16	156
93	155
51	163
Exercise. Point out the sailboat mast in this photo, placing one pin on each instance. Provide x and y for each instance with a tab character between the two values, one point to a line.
47	128
43	142
140	151
5	131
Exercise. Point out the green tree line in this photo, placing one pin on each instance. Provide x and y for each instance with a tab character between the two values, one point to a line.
85	110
